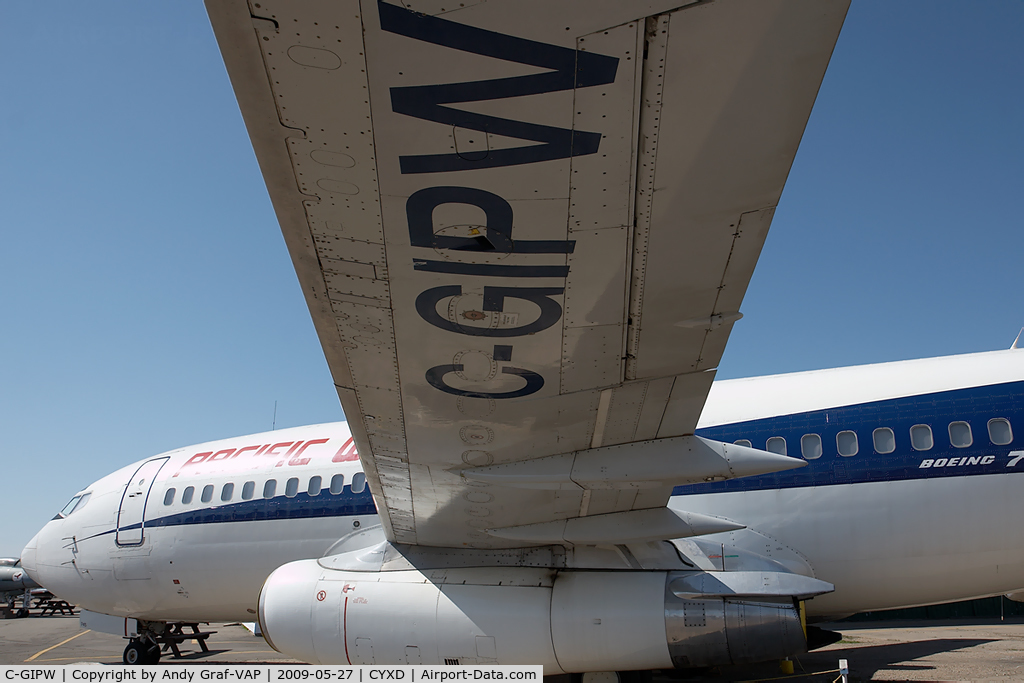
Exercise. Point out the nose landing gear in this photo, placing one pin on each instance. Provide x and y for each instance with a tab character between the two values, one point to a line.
154	637
141	651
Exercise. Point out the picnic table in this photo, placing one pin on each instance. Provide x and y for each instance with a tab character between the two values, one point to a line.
52	605
174	635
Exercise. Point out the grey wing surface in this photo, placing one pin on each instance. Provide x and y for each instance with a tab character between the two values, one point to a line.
524	231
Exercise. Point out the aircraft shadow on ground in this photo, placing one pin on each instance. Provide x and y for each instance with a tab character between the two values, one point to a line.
191	655
866	660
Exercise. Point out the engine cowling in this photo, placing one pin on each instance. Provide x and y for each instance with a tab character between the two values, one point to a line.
568	621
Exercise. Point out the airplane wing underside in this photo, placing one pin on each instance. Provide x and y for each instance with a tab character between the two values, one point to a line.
524	230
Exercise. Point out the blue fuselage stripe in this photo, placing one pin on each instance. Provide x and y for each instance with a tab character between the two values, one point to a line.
300	506
975	405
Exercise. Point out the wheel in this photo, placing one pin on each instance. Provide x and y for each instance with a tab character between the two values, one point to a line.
134	653
21	613
153	654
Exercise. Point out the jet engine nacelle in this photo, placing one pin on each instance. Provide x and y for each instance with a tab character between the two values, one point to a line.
568	621
14	579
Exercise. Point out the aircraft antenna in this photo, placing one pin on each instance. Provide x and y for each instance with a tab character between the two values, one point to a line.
273	425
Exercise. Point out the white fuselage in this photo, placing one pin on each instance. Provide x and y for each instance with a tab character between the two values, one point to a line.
188	567
908	527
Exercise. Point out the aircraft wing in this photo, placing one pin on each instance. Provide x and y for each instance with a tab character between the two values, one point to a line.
524	230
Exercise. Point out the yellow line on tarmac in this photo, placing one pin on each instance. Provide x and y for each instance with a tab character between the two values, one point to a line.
71	659
54	647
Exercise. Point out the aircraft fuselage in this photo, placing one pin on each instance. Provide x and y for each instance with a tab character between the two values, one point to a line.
909	477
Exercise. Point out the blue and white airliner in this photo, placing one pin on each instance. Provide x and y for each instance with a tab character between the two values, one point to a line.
524	232
900	459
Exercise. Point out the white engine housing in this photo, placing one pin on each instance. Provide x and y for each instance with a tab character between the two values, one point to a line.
567	621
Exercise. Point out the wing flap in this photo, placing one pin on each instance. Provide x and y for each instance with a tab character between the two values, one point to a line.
739	81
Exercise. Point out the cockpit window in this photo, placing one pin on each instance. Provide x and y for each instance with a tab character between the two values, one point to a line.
82	502
68	508
76	503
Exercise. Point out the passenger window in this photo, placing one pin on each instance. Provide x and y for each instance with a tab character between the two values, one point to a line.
207	495
227	492
999	431
358	482
810	446
270	488
248	489
291	488
315	486
186	495
884	440
960	435
743	442
846	443
169	496
337	484
776	444
921	438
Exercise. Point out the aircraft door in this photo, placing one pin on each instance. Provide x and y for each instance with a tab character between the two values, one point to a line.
131	514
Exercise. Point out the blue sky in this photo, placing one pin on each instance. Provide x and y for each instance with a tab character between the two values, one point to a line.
149	302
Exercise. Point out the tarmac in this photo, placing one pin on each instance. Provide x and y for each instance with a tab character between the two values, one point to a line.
60	640
960	650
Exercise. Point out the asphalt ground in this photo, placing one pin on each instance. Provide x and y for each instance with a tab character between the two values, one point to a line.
975	650
59	640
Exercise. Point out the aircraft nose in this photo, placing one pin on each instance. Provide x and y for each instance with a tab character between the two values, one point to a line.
28	557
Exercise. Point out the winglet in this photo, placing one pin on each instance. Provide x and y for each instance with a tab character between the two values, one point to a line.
1016	342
